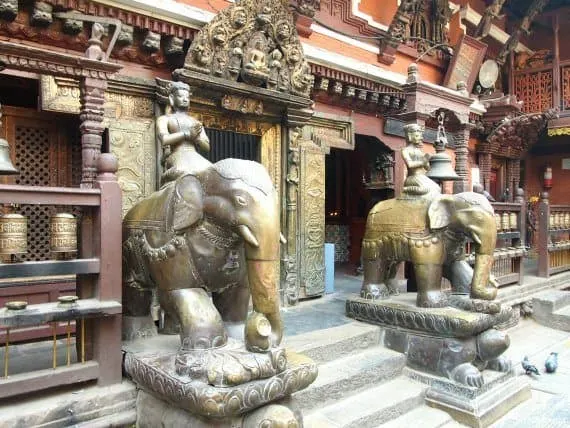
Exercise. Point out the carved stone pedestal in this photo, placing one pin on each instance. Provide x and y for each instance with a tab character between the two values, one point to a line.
456	351
475	407
170	399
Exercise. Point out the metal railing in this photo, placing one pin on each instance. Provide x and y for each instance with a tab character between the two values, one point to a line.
95	311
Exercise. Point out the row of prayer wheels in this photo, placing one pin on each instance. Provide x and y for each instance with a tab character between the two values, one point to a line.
559	220
14	231
506	221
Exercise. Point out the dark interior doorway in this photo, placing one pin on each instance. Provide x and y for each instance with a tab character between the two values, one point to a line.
355	181
229	144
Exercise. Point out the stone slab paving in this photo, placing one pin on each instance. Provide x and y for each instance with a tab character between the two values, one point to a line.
549	406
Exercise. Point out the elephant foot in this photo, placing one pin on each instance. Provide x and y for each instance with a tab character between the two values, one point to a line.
500	364
467	374
488	293
229	366
432	299
374	291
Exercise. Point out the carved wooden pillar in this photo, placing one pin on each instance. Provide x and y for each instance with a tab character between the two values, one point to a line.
461	159
543	236
485	162
556	90
92	98
513	176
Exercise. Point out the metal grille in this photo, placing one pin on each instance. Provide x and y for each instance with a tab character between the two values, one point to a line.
228	144
32	160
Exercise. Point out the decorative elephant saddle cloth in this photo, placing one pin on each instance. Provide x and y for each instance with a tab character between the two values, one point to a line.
156	208
401	215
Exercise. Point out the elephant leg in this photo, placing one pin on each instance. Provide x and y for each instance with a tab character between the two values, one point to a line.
201	325
391	272
428	277
373	286
460	274
233	305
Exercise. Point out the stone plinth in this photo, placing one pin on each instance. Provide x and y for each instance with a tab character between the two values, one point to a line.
151	364
455	351
475	407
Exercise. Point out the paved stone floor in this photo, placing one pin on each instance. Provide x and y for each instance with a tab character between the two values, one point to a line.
549	406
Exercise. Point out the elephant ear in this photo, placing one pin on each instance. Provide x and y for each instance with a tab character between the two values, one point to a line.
188	203
440	212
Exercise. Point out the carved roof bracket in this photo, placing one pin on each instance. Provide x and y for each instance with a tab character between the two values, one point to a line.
532	12
513	136
251	49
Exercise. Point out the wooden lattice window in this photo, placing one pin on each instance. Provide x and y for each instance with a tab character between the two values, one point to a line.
535	90
42	153
566	88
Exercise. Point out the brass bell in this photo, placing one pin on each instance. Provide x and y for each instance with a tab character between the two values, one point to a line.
440	163
13	234
6	167
441	168
63	233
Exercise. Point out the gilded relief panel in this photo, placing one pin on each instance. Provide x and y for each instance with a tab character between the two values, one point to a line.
312	220
132	141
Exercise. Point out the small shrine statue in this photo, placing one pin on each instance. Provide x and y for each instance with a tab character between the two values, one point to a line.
417	184
181	135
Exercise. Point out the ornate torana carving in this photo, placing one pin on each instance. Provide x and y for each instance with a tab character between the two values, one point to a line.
255	43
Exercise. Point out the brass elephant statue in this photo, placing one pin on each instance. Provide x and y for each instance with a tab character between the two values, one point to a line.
431	234
206	242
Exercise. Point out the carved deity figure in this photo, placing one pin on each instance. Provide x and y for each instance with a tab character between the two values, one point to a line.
180	135
417	184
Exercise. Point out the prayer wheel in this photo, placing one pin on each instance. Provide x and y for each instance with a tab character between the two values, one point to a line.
514	221
63	233
13	234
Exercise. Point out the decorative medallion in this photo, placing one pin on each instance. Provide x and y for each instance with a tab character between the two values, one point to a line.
254	43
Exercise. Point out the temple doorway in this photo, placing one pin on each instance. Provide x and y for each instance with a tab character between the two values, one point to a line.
355	181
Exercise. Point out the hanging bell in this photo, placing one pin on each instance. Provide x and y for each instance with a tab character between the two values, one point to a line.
441	168
6	167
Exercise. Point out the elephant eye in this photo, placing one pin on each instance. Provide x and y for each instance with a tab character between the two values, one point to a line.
241	200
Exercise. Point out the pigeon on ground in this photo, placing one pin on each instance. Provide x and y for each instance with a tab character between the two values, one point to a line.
551	363
528	367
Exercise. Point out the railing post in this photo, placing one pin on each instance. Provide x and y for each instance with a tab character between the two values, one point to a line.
543	236
107	225
519	199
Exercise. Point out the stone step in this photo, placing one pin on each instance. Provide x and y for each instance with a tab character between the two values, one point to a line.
370	407
348	374
552	309
428	416
335	342
73	407
552	300
124	419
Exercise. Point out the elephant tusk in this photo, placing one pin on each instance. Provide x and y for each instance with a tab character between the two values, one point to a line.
247	234
282	239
